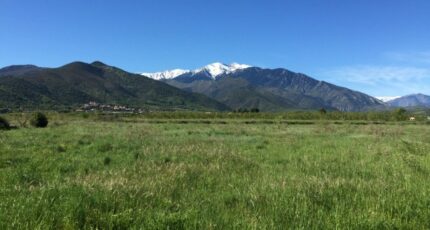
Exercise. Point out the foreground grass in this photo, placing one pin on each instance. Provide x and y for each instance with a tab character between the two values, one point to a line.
117	175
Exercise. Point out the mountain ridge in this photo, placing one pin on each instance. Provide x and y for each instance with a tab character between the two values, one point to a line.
273	90
411	100
76	83
211	70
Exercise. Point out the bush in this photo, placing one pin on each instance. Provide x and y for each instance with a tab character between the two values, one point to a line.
4	124
39	120
400	114
323	111
107	161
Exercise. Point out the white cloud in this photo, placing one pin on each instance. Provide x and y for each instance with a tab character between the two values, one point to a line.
403	73
409	57
374	75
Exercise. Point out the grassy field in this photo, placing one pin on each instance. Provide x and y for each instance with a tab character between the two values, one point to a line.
84	173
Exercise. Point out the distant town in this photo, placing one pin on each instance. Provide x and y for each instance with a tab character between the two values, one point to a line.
95	106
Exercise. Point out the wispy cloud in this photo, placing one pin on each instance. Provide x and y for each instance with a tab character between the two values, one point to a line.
382	80
404	73
373	75
409	57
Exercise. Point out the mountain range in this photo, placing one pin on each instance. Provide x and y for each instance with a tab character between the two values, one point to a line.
71	85
409	101
244	86
215	87
211	71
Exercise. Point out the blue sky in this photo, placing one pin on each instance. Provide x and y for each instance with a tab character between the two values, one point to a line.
379	47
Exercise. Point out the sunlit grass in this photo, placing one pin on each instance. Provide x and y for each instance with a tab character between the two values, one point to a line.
81	173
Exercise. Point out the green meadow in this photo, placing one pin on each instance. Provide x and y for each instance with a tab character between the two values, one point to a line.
145	173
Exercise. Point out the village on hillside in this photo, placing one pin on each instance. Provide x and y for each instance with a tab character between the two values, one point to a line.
94	107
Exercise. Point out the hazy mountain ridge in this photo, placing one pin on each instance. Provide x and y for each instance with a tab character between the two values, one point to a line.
413	100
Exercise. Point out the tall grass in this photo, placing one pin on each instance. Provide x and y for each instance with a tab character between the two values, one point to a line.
85	173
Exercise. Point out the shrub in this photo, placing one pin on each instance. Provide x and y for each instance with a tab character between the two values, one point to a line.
39	120
4	124
255	110
61	148
400	114
323	111
107	161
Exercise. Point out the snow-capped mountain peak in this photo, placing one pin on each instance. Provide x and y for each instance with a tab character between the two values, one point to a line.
212	70
387	98
166	74
217	68
237	66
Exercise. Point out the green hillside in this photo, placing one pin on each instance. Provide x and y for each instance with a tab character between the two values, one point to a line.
77	83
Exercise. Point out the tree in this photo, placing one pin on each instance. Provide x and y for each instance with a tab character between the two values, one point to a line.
400	114
4	124
39	120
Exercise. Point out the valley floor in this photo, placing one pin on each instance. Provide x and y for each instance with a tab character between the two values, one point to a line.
81	173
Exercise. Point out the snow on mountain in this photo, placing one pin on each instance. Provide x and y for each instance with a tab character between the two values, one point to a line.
216	69
166	74
212	70
387	98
